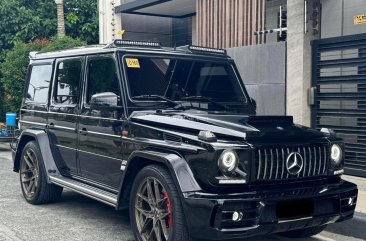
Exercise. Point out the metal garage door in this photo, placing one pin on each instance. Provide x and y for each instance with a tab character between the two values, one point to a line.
339	84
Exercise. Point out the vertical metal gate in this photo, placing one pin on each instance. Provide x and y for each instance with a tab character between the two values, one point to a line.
339	81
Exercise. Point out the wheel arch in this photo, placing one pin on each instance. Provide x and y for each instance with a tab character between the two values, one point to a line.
21	144
41	137
177	166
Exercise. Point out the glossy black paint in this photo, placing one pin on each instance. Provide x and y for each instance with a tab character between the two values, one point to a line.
41	137
107	147
100	145
204	209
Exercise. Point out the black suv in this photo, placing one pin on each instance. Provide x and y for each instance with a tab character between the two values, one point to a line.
171	134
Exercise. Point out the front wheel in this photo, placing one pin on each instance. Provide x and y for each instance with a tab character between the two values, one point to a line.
155	209
304	233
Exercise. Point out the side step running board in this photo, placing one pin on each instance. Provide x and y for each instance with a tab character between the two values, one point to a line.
85	189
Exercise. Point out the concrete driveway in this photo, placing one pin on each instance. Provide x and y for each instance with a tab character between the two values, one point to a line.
79	218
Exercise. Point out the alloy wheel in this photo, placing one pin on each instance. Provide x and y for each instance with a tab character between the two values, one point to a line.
153	211
29	173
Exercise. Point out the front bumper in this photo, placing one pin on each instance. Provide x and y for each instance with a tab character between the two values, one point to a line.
209	216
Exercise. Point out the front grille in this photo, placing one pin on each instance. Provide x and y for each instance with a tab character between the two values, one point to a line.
271	162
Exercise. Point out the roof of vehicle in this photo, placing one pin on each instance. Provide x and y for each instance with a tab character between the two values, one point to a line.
131	46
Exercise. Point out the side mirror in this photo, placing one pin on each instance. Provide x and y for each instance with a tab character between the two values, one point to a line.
106	100
254	103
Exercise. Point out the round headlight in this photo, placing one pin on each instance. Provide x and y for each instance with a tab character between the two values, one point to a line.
336	154
228	161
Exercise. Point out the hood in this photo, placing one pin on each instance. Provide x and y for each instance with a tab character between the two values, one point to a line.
246	127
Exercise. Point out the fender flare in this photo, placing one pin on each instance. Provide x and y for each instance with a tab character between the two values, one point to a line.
41	137
178	167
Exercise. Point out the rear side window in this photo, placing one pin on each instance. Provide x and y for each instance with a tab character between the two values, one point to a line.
39	84
67	84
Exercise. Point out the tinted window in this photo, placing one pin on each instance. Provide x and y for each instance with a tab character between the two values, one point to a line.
102	76
68	81
147	76
39	83
178	78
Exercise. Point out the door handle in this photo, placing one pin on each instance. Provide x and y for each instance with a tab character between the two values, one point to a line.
51	126
83	131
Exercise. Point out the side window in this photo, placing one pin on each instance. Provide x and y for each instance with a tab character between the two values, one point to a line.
67	83
102	77
39	84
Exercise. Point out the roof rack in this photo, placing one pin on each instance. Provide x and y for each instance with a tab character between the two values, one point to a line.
131	43
201	49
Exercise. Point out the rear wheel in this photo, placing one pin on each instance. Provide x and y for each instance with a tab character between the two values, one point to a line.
33	178
304	233
155	208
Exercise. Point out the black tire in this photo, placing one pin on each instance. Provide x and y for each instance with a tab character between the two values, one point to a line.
304	233
40	192
178	230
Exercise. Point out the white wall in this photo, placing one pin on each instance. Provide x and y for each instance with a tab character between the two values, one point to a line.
194	30
109	22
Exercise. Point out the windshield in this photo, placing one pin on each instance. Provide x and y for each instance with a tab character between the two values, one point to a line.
184	81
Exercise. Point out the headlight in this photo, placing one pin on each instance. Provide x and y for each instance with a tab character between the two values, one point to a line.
228	161
336	154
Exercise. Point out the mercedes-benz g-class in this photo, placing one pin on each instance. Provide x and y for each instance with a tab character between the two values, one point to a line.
172	135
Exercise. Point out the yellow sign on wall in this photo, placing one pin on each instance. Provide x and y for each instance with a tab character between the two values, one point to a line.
120	32
359	19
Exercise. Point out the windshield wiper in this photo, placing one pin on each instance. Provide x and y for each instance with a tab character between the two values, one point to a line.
204	98
149	97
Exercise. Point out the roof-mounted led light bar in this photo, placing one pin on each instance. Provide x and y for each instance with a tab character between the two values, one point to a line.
127	43
207	50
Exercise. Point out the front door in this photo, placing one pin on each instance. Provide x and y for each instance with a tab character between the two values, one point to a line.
100	139
62	121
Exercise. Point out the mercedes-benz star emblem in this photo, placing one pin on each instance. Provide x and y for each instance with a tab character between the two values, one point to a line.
294	163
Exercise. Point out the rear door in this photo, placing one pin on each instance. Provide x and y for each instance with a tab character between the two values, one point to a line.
100	139
62	120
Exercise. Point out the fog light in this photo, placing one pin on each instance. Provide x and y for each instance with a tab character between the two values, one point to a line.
237	216
351	201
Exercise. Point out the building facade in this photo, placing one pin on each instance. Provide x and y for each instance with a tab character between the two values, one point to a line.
307	57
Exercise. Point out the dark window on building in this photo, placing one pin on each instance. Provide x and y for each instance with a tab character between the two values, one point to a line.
39	84
102	76
68	82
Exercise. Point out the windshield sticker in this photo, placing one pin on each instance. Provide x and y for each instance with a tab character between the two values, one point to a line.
133	63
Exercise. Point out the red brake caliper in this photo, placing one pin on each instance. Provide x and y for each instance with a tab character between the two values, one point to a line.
169	207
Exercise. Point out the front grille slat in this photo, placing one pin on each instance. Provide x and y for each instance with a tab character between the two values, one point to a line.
283	163
288	153
265	164
271	171
309	161
304	149
271	162
314	161
278	163
325	158
320	160
298	150
260	164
